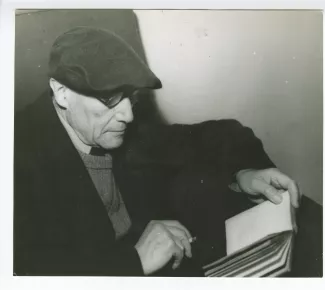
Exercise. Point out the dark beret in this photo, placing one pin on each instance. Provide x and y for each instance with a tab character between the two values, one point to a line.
97	62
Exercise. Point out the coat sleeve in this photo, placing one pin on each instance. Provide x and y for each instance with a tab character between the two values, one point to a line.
225	144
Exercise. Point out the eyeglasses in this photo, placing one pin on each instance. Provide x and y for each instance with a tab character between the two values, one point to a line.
119	96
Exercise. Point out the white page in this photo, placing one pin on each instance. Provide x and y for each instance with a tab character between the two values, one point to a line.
258	222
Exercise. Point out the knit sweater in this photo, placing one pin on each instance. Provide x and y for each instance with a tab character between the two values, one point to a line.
100	171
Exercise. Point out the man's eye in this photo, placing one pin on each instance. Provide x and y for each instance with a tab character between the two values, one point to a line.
114	100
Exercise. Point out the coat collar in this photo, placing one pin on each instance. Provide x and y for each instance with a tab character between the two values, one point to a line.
64	166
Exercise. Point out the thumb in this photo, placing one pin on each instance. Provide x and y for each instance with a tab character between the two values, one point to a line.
268	191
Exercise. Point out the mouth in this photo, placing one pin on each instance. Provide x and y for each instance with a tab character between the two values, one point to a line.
116	131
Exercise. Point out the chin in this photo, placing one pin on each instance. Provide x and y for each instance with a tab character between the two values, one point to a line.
112	143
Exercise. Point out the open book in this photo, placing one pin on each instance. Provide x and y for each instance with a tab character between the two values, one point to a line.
259	242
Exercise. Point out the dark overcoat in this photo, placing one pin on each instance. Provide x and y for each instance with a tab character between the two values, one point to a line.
61	226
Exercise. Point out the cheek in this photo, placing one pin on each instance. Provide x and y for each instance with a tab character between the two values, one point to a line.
85	123
91	119
101	123
82	124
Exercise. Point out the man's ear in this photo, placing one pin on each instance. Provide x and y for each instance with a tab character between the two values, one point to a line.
59	93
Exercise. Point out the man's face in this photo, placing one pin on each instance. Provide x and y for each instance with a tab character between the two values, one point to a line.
94	123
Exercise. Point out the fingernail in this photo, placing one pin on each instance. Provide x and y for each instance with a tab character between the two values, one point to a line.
277	198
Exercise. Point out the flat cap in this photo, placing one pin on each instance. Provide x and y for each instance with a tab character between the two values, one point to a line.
96	62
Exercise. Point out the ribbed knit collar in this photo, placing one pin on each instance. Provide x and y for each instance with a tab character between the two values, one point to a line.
96	162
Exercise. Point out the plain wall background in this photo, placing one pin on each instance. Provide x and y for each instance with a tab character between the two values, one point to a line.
263	68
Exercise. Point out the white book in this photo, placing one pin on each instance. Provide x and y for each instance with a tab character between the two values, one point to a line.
259	242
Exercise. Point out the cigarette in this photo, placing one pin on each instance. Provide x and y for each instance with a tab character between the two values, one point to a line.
192	239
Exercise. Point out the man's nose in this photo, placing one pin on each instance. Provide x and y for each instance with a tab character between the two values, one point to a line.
124	111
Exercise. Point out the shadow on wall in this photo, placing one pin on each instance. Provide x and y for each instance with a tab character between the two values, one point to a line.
35	33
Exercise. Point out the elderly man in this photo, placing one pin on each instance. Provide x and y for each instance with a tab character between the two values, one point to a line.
95	194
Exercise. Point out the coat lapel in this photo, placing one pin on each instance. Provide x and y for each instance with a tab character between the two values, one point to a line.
71	181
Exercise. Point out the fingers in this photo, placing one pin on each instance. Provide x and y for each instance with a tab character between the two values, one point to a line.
188	248
182	238
257	199
179	244
293	219
160	241
178	253
176	247
177	224
268	191
285	182
182	233
270	183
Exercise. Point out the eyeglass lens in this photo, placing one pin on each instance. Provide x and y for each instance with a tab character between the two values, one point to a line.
114	100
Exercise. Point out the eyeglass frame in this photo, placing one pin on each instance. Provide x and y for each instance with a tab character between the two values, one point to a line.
116	98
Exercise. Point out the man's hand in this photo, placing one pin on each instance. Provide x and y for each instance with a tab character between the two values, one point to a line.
160	241
268	183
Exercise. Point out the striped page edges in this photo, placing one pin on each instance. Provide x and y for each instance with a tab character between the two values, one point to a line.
268	257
